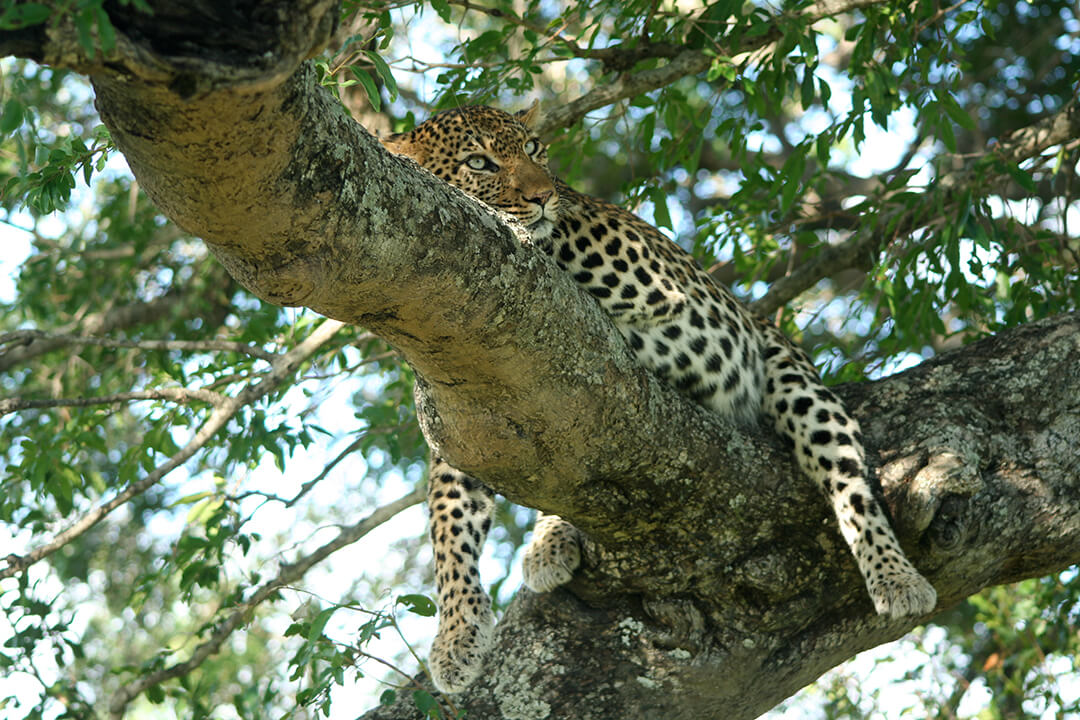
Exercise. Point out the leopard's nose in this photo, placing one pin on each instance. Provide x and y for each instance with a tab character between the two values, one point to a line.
541	198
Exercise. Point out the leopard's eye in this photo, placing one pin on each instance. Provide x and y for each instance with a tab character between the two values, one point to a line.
480	162
531	147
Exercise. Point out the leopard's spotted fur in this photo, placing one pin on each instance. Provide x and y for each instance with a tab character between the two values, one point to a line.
687	329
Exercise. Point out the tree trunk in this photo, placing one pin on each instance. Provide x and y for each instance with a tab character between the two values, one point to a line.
715	581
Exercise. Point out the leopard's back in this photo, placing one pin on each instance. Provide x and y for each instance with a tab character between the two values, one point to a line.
690	331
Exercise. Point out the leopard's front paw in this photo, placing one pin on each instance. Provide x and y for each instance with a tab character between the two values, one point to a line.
552	556
902	593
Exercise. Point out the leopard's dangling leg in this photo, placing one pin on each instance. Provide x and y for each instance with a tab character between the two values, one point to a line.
461	509
828	447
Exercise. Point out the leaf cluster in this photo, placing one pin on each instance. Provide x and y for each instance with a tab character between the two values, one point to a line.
769	163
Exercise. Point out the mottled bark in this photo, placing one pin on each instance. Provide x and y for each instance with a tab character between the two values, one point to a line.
716	583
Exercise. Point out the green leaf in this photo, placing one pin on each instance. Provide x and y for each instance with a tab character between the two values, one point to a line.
155	694
825	90
957	113
806	89
106	32
1021	176
712	24
203	509
371	628
62	491
425	702
384	72
418	604
823	148
442	8
369	87
194	497
487	43
858	133
319	623
791	178
84	25
12	117
388	697
721	67
946	135
660	208
21	16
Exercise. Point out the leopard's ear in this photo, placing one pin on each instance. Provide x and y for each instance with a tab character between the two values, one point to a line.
402	144
531	116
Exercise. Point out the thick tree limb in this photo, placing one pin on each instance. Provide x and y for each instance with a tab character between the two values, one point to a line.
978	451
714	578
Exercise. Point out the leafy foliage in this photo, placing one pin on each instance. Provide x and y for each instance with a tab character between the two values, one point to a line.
770	161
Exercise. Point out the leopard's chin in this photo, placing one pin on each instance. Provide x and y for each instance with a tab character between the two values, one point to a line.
541	229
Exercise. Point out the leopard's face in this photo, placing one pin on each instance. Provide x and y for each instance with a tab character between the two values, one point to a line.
490	155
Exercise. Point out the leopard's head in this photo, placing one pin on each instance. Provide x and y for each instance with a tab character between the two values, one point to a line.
491	155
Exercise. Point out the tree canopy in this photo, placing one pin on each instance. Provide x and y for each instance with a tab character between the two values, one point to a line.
224	297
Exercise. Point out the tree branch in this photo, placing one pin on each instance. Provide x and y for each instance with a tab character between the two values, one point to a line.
951	456
860	250
681	64
283	367
289	574
176	300
1056	129
27	337
180	395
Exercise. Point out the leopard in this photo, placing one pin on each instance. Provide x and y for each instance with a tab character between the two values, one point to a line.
687	329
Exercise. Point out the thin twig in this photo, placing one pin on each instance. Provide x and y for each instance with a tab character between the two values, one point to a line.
162	239
306	487
513	19
103	321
